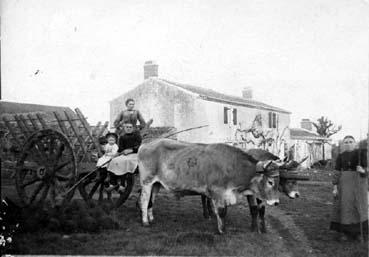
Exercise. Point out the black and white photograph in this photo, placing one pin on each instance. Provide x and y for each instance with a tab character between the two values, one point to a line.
184	128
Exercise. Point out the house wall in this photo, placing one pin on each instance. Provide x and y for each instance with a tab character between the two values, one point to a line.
211	113
299	149
171	106
156	101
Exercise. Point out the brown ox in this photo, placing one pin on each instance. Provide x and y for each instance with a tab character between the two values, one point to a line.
220	172
287	184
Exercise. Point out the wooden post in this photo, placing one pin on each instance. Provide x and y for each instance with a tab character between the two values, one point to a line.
21	126
24	121
42	121
87	128
36	127
98	131
11	130
76	132
94	131
61	124
102	129
25	130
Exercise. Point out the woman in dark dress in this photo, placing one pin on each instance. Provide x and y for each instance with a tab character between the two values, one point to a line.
350	190
128	144
129	115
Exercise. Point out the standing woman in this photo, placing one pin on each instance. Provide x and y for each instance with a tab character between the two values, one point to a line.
130	115
350	187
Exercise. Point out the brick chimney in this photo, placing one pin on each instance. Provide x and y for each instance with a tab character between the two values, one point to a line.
306	124
247	93
150	69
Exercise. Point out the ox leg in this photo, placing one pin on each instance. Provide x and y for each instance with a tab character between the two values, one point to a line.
223	212
207	209
261	210
210	207
204	202
254	213
154	192
217	206
145	199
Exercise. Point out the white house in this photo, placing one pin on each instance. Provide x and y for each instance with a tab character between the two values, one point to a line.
304	142
240	121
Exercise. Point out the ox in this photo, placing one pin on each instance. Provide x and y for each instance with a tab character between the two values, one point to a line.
287	184
288	178
221	172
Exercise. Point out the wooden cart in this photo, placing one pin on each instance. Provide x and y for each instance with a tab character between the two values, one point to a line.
53	150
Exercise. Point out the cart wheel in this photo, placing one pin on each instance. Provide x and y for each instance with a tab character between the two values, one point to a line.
46	169
93	188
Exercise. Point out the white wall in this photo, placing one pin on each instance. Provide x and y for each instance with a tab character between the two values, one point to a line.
307	148
212	113
171	106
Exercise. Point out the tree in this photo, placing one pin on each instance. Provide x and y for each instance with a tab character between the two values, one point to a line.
325	128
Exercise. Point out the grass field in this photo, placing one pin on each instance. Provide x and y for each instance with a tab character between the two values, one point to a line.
295	228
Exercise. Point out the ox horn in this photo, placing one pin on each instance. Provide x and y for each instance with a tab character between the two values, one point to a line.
270	173
303	160
291	165
267	164
262	166
282	164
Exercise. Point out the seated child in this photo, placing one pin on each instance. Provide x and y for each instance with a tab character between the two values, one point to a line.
110	149
128	143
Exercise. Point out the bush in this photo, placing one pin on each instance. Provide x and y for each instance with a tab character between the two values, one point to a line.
75	217
54	224
89	224
107	222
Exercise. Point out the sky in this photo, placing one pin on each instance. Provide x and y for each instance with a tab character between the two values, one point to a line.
310	57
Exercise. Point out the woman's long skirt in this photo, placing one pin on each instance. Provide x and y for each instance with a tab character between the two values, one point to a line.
123	164
350	207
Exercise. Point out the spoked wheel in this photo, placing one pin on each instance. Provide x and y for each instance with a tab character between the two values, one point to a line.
46	169
94	188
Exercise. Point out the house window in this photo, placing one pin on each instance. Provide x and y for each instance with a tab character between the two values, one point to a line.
230	117
272	117
226	115
234	112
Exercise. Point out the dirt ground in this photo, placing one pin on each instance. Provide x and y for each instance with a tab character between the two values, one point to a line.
295	228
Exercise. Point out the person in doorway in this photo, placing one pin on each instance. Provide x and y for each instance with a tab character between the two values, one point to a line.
350	187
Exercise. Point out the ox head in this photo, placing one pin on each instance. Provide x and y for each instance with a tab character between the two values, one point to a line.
265	184
289	177
289	187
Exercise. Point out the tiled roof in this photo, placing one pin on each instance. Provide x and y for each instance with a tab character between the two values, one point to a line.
211	95
14	107
299	133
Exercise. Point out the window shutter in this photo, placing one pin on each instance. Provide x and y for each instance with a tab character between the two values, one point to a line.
274	120
225	115
234	116
270	119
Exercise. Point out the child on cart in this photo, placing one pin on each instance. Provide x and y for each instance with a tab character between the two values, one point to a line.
127	162
110	150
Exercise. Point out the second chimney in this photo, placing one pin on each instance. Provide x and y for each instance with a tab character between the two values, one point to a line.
306	124
247	93
150	69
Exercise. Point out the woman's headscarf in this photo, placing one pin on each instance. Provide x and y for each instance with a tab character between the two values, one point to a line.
350	146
